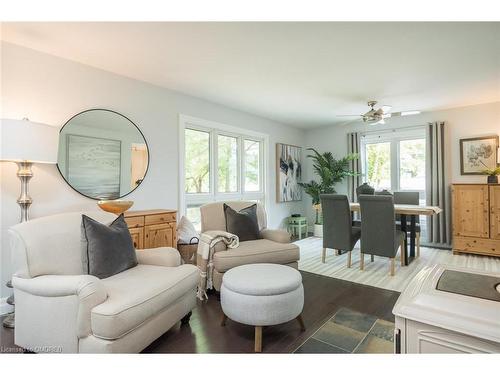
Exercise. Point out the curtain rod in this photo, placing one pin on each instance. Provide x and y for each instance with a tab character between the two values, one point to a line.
392	130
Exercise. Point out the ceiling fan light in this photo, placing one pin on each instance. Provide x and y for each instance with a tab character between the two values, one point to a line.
409	113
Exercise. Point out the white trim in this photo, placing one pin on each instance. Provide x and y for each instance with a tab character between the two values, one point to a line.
215	129
5	308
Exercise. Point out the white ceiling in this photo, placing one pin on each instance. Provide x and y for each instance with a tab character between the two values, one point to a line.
302	74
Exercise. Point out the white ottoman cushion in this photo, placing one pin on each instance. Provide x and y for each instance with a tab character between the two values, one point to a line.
262	294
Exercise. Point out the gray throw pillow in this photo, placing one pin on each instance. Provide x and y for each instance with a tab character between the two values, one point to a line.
243	223
107	250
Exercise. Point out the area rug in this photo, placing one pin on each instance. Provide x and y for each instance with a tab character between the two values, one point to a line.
377	273
350	331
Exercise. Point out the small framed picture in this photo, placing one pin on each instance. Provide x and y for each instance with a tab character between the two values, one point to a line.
478	154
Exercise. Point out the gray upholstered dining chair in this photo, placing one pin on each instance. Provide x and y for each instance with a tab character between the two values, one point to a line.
408	197
379	235
338	231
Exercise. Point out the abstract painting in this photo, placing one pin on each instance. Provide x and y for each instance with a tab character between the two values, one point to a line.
288	174
478	154
93	166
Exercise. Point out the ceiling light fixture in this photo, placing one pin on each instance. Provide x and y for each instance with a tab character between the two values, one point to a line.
408	113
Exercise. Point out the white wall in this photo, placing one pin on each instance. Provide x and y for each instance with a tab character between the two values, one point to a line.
463	122
50	90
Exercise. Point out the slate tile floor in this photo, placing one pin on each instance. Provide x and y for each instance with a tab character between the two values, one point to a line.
349	331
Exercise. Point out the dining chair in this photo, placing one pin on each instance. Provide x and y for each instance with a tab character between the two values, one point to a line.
408	197
379	235
338	231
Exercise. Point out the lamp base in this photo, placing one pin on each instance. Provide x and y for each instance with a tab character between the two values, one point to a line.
9	321
24	173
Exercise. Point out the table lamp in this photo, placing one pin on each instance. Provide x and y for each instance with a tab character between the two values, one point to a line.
25	143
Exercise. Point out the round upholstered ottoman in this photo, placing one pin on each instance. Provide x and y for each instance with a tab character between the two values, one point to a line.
262	295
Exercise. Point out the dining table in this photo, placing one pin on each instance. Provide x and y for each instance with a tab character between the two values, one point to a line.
406	211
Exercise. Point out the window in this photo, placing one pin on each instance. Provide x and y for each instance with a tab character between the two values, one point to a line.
412	164
220	163
197	161
394	160
378	162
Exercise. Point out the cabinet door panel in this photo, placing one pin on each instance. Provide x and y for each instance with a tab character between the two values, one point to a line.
137	235
495	212
159	235
471	211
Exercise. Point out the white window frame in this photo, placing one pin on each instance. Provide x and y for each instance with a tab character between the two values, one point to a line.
393	136
215	129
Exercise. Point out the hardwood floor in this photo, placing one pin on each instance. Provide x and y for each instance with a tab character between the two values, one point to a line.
323	297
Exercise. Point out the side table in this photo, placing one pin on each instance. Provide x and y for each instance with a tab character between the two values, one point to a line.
297	226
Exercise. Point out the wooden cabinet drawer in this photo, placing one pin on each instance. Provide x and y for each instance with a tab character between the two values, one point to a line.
160	218
484	246
135	221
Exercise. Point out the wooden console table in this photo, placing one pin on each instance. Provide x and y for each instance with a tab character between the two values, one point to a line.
152	228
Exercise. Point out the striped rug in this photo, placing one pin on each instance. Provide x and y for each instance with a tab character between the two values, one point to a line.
377	273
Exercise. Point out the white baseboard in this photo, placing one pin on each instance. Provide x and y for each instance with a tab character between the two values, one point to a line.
5	308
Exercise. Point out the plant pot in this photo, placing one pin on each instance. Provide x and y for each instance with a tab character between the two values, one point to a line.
318	230
492	179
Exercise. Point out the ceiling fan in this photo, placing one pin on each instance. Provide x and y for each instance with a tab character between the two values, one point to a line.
377	116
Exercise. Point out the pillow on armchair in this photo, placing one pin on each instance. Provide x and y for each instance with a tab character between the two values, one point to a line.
107	250
243	223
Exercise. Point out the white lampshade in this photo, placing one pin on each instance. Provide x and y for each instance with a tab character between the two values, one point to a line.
23	140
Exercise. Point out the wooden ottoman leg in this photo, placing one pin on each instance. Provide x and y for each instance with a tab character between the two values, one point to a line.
258	339
301	322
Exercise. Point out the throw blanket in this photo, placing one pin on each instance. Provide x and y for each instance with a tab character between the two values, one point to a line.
206	250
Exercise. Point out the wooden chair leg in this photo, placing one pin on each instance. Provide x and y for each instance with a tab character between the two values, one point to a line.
392	267
417	237
361	261
301	322
258	339
349	259
323	255
223	320
372	258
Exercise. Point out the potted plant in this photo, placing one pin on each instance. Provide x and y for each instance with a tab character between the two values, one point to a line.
492	175
330	172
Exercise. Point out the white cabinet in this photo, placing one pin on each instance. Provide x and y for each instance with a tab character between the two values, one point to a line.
432	321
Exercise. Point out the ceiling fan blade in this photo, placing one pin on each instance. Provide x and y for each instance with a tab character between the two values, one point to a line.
348	115
386	108
387	115
381	122
395	114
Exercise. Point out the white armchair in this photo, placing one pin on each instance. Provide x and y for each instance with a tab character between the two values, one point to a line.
61	309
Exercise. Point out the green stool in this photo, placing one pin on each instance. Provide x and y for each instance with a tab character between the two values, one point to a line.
297	225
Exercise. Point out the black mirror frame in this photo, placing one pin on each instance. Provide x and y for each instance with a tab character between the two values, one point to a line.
133	123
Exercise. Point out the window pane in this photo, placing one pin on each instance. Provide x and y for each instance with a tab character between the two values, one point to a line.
412	164
197	161
227	154
378	165
252	165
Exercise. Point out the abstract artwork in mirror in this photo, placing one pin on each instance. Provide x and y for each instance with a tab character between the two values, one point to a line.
288	174
102	154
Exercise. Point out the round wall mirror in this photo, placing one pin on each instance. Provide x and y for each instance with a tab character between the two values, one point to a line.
102	154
